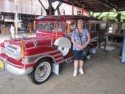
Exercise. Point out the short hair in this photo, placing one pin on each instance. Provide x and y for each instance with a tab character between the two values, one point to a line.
80	20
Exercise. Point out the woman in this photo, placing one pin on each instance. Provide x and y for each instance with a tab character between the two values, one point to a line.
80	39
12	31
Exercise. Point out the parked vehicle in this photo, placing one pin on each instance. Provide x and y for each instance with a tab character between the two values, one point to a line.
38	56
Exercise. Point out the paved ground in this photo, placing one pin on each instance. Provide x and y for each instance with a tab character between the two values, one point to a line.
103	75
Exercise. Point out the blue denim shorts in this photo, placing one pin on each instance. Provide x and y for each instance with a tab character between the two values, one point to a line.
79	55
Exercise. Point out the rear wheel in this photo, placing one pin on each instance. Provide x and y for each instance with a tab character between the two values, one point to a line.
41	72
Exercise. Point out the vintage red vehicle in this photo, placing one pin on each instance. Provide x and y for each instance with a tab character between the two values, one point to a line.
39	56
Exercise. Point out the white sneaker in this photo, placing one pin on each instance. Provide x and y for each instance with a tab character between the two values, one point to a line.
75	73
81	71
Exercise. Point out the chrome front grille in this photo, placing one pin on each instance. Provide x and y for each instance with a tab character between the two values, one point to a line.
12	50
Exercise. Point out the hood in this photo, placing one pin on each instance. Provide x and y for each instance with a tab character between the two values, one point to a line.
31	42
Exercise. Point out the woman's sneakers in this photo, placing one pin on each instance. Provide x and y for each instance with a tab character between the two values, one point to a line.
80	71
75	73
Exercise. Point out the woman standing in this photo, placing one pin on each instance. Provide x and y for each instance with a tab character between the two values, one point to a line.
12	31
80	39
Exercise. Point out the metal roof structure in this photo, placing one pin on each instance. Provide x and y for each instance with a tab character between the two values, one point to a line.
96	5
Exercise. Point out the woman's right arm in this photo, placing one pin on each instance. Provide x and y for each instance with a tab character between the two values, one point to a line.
73	40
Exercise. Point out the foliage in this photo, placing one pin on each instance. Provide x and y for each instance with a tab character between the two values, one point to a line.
109	15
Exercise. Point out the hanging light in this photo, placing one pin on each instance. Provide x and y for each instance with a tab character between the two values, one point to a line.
22	48
72	9
35	21
30	27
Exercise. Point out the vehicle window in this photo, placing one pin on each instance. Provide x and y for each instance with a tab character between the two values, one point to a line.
40	27
86	26
92	27
60	27
47	27
52	26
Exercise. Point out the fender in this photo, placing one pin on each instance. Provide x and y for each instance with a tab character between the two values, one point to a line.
35	54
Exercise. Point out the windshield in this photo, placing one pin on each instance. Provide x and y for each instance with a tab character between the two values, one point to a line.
50	27
43	26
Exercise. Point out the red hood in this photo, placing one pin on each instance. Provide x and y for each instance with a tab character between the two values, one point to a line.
30	42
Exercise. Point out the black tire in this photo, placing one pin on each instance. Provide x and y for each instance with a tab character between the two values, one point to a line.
41	72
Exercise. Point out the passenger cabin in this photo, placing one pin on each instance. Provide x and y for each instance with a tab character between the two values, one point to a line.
58	26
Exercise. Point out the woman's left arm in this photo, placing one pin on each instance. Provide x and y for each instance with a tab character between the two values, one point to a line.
88	39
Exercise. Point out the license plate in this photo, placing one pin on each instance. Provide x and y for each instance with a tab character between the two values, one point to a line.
1	65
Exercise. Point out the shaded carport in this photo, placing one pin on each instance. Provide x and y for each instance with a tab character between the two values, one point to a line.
101	6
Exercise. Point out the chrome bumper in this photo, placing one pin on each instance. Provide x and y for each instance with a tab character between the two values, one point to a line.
15	70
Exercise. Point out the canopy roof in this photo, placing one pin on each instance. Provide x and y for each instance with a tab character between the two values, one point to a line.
97	5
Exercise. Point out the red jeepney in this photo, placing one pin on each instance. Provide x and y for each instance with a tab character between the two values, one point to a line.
39	56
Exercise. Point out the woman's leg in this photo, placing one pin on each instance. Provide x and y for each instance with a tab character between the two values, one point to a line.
81	64
76	61
81	67
75	67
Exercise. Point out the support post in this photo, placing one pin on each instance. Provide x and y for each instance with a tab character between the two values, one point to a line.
123	50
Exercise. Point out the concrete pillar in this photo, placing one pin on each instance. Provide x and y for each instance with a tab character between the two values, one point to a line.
16	20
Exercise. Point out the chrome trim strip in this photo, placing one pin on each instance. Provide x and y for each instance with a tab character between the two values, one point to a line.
57	54
31	60
35	58
46	56
43	53
65	59
59	58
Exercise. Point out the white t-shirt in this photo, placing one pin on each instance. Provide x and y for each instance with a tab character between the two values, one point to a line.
12	29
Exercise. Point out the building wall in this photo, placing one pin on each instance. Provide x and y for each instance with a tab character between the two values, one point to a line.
20	6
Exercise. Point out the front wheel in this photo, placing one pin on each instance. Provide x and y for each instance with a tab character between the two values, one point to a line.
41	72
